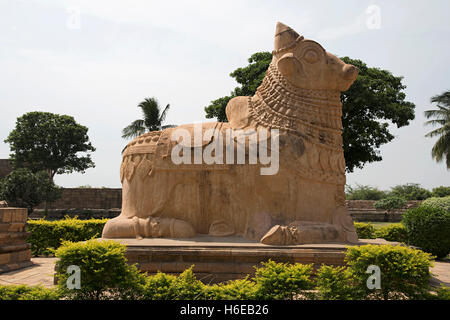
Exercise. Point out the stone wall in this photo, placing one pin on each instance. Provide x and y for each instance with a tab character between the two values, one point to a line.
364	211
15	253
5	167
87	198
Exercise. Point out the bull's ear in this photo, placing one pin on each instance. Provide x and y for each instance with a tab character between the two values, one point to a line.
290	67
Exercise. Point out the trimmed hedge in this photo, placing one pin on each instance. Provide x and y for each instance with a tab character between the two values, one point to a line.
47	236
364	230
392	232
443	203
429	229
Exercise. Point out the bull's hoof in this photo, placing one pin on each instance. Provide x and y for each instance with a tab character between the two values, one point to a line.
221	228
279	235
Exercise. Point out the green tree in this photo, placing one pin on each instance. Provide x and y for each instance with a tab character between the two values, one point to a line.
440	117
50	142
361	192
249	78
375	95
441	191
152	119
25	189
410	191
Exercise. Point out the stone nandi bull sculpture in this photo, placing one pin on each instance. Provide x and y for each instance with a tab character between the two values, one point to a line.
304	202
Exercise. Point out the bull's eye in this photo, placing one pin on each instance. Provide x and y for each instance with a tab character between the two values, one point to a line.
311	56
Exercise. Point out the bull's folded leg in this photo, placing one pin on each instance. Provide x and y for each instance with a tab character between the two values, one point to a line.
147	228
304	232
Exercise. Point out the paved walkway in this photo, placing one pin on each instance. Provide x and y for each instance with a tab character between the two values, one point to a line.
43	269
41	273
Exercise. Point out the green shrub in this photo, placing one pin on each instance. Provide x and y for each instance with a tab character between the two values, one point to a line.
364	193
242	289
162	286
410	191
428	228
282	281
443	293
390	203
441	191
105	273
25	189
443	203
337	283
23	292
47	235
392	232
187	287
159	287
404	271
364	230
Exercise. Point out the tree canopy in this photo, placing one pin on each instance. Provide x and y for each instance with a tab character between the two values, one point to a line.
44	141
375	98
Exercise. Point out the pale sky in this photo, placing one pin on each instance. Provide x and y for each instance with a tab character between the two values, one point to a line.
96	60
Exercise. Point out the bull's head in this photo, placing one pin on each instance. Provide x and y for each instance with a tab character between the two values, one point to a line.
307	65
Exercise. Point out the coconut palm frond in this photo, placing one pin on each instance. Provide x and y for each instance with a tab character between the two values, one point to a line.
440	117
152	119
435	122
136	128
164	113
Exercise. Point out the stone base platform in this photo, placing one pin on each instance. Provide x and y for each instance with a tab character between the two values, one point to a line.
218	259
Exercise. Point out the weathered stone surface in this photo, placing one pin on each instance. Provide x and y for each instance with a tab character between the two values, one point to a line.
299	98
218	259
14	251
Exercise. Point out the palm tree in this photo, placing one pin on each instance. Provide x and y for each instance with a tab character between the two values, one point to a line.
441	118
152	119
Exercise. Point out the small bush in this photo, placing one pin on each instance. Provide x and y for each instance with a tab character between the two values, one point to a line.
404	271
364	193
337	283
25	189
390	204
169	287
410	191
47	235
282	281
443	203
441	191
187	287
364	230
105	273
443	293
242	289
428	228
393	232
159	287
23	292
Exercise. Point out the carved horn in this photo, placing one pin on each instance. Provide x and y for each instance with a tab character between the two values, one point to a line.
284	36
